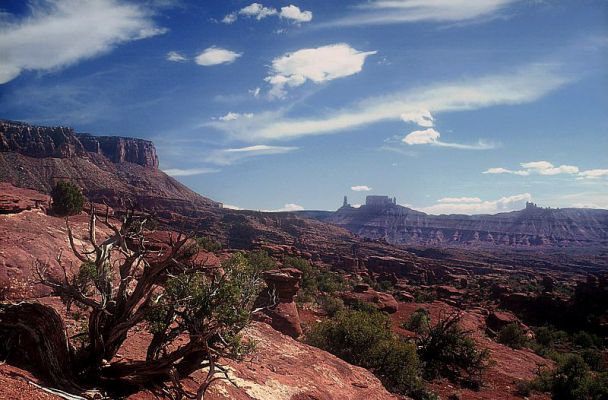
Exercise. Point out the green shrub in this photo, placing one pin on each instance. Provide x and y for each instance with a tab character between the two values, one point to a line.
594	359
585	340
330	282
447	350
208	244
548	337
365	339
572	380
67	198
331	305
419	321
513	336
262	260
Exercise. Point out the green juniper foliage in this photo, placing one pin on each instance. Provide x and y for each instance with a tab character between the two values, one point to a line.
67	198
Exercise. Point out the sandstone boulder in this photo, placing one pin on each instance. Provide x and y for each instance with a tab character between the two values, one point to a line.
382	301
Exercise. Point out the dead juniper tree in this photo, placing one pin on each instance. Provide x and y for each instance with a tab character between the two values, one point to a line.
194	312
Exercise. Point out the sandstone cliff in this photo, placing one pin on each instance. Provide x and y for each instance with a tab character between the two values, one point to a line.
63	142
533	226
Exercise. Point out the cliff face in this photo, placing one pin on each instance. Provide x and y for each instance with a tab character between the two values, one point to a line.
63	142
108	169
120	149
533	226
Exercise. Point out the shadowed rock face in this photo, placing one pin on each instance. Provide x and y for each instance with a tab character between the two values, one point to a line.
63	142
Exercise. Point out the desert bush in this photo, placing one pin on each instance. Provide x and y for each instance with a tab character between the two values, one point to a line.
513	336
595	359
572	380
586	340
365	339
549	336
419	321
330	282
261	258
67	198
331	305
447	350
208	244
123	285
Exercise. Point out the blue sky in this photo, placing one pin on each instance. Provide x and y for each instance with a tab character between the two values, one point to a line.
452	106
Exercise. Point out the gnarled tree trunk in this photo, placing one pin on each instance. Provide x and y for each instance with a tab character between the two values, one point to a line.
33	336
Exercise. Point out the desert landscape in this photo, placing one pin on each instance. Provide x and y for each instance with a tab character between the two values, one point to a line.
316	201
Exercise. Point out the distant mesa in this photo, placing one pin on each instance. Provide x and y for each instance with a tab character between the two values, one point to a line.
64	142
374	201
381	218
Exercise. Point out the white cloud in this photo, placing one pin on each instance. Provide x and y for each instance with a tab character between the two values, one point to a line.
255	92
60	33
427	136
522	86
547	168
422	118
230	18
215	56
377	12
287	207
594	173
229	156
231	207
360	188
294	13
500	170
176	57
232	116
431	136
319	65
475	205
459	200
189	171
257	11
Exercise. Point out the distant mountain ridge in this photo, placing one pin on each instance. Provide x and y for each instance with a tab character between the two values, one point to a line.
113	169
382	218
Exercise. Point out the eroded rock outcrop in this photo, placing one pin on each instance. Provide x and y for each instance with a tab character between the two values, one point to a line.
362	292
63	142
278	303
532	226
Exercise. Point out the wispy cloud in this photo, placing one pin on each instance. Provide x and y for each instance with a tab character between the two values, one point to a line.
360	188
176	57
189	171
382	12
287	207
474	205
258	12
548	169
318	65
232	155
215	56
525	85
431	137
60	33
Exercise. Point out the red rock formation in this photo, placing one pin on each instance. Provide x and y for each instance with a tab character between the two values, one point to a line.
362	292
278	302
532	226
120	149
14	200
